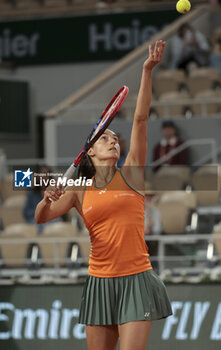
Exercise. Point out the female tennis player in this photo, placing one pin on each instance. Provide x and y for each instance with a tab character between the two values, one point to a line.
122	294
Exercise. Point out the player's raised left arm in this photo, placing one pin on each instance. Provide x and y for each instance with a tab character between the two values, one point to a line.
138	142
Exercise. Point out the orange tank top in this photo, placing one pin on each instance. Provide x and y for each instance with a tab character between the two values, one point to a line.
114	216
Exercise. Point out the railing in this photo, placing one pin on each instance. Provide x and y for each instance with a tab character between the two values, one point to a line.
164	240
186	145
94	109
161	258
57	261
208	157
67	160
202	102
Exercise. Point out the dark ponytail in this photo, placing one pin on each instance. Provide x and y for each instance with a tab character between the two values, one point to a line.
86	167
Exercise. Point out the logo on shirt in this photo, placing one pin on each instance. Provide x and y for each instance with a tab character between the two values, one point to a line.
87	210
23	178
103	191
124	194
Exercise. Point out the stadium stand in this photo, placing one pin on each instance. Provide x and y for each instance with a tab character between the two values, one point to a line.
175	211
148	176
206	185
7	189
174	110
201	79
10	215
53	253
168	80
171	178
3	165
15	201
216	33
14	254
212	104
178	95
217	242
12	203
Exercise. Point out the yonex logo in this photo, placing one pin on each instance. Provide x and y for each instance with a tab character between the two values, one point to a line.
147	314
103	191
23	178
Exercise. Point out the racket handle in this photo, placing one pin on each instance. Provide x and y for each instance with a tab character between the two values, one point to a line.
70	172
67	175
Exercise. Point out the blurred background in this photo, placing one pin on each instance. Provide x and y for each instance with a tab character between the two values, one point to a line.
60	63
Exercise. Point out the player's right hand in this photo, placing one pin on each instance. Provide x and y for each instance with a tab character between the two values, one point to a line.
53	193
155	56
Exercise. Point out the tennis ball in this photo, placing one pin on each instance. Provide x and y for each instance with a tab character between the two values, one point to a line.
183	6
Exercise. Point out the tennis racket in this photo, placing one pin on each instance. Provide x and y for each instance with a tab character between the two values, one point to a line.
98	129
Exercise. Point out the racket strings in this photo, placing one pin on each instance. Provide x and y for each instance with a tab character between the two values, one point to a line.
109	113
116	104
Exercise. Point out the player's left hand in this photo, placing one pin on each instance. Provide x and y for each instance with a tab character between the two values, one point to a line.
155	56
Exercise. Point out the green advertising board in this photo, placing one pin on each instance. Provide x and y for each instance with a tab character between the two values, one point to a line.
78	39
46	317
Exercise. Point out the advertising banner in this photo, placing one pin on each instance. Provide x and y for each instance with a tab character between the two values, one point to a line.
78	39
46	318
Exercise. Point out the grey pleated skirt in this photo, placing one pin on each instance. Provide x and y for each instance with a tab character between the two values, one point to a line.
118	300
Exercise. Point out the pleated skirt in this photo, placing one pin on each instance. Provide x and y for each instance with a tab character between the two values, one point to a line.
118	300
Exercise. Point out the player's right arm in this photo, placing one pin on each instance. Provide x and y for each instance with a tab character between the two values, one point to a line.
55	203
